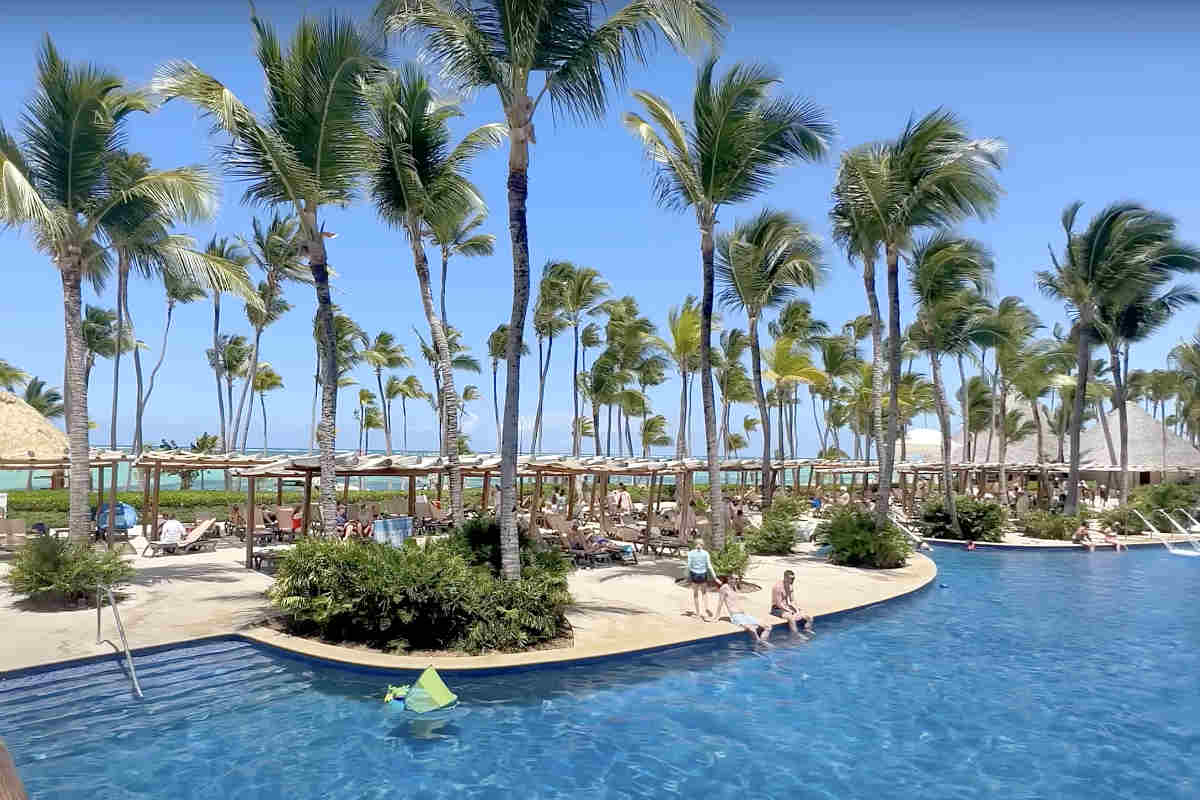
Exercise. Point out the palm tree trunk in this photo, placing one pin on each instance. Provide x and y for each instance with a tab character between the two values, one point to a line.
312	428
122	288
876	369
387	413
779	410
575	438
992	421
518	191
716	502
608	444
446	380
943	415
1003	447
1108	440
137	372
681	436
629	438
1083	362
404	419
445	272
1119	375
326	429
596	425
248	390
964	401
217	373
496	401
262	399
884	493
76	410
543	373
144	401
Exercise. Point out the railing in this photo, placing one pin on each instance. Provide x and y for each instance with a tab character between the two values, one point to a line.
120	629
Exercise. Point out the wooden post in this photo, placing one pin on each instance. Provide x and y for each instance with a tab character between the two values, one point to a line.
571	497
112	509
99	491
536	508
145	491
520	490
412	495
487	479
306	512
604	501
154	509
439	489
250	523
346	490
279	491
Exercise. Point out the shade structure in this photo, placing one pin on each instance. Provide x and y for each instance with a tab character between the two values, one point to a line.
26	435
1147	438
923	444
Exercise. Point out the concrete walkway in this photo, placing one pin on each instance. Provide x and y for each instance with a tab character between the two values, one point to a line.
618	609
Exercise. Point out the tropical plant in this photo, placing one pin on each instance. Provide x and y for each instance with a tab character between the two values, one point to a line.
548	322
61	571
266	379
654	434
739	137
306	152
855	539
231	251
683	326
1123	258
731	380
759	266
416	176
796	321
581	290
349	340
231	360
46	400
931	176
978	520
100	339
452	230
11	377
408	389
579	57
496	344
385	353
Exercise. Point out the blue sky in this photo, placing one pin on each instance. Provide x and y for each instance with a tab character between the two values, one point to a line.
1096	104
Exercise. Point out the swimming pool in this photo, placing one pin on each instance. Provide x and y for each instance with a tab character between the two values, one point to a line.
1016	675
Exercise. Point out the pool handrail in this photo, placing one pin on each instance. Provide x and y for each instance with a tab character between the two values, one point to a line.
112	602
1154	531
1195	527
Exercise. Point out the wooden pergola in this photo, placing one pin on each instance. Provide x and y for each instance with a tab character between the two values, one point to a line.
99	460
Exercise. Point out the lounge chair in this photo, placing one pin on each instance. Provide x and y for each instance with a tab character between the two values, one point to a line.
12	533
193	542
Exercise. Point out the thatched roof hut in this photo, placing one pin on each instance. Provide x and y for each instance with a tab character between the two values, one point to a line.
25	434
1146	453
1022	452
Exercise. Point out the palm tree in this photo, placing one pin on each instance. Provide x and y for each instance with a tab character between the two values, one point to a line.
582	290
683	326
372	420
496	343
579	59
46	400
654	434
786	365
453	232
306	152
1126	253
365	398
11	377
227	250
408	389
178	292
385	353
1163	385
548	322
760	265
739	138
349	340
732	382
947	275
266	379
417	177
931	176
273	250
60	182
796	321
460	359
100	339
230	359
601	386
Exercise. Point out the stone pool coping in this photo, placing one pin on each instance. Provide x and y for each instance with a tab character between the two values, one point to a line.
618	611
1029	543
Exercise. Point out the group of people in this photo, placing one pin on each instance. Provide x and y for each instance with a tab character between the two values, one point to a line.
702	577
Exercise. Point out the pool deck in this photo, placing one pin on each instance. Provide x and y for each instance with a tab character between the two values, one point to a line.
618	609
1017	542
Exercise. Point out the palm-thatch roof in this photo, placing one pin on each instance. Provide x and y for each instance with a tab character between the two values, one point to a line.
1146	452
1022	452
25	434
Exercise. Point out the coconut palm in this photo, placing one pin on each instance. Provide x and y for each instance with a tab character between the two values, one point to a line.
306	152
416	176
230	359
11	377
786	365
590	337
654	434
732	382
840	362
931	176
460	359
1162	385
600	386
229	250
739	137
177	292
273	250
365	398
100	339
46	400
408	389
385	353
582	290
630	338
266	379
759	266
683	326
60	182
453	231
797	321
580	57
1126	253
548	322
349	340
947	275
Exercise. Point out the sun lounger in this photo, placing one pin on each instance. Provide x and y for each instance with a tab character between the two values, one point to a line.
12	533
191	543
268	556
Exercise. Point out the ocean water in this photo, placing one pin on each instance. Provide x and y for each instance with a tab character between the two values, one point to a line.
1015	675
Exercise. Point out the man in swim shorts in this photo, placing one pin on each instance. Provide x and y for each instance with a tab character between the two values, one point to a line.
783	605
737	614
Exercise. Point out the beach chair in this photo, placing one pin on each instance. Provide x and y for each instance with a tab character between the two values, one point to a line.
12	533
284	517
193	542
235	525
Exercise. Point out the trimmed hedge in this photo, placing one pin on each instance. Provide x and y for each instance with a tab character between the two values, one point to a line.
980	520
854	541
58	499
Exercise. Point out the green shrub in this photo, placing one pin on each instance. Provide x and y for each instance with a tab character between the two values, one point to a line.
58	500
980	520
50	568
774	538
478	541
854	541
1046	525
785	506
1148	499
732	559
412	597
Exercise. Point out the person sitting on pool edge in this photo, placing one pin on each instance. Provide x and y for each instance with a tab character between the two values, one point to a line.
728	597
1110	537
1082	537
699	568
783	605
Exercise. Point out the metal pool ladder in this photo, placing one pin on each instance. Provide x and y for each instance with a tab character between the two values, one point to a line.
112	602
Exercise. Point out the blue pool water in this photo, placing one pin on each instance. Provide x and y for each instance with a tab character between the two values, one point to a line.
1016	675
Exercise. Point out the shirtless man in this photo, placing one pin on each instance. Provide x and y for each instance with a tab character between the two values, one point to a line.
738	616
783	604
